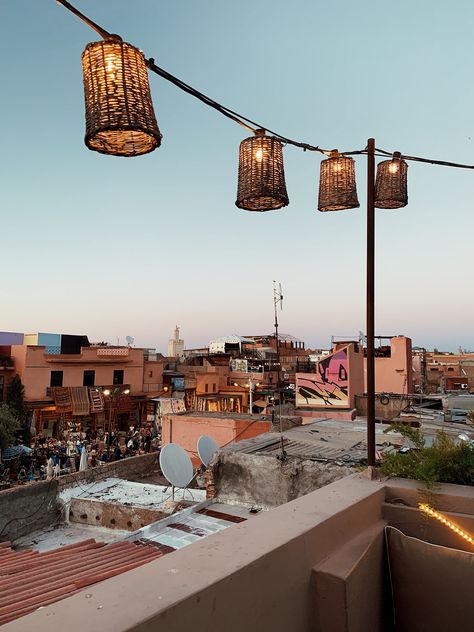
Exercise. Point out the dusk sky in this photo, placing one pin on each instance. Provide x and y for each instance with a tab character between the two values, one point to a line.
111	246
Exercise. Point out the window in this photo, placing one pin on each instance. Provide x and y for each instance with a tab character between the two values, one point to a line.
56	378
89	378
150	373
2	380
207	388
118	376
450	369
213	388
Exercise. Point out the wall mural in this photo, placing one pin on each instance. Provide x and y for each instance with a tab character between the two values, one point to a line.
328	387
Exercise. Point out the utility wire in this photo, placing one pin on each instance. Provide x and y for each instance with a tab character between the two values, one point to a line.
245	122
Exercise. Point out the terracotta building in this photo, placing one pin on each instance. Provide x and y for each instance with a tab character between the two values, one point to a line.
64	391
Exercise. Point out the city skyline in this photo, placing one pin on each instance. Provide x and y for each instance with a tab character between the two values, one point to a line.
113	247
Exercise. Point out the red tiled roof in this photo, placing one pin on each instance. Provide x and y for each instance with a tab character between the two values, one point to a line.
29	579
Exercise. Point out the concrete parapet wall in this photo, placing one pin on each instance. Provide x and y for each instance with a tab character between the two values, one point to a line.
133	466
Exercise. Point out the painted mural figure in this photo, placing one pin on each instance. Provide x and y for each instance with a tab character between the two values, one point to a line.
329	387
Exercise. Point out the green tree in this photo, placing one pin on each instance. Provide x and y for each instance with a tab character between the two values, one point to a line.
15	398
9	424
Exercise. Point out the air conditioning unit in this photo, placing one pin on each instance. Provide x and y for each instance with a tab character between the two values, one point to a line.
464	387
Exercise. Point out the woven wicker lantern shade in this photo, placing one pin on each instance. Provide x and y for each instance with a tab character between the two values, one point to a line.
261	185
391	183
337	185
119	111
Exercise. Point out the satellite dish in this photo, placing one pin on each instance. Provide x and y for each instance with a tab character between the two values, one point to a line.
130	340
176	465
206	447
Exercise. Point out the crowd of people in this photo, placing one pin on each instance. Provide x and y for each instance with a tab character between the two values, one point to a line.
48	457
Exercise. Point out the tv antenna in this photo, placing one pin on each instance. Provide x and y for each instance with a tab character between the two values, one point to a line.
130	340
278	300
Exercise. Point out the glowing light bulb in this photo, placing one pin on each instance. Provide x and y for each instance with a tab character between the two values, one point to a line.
393	167
259	155
111	66
337	167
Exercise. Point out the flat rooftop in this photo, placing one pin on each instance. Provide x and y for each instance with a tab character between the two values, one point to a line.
132	494
221	415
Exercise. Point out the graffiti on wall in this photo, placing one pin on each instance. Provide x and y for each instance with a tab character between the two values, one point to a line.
328	387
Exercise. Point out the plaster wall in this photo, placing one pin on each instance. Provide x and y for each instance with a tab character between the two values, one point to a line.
152	374
394	374
34	368
186	430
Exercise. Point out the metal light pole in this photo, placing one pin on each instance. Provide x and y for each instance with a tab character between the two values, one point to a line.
370	305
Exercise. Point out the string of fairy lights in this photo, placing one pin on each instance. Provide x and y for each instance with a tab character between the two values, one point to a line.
120	121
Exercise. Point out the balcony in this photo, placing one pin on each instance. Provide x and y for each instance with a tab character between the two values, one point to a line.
110	387
314	564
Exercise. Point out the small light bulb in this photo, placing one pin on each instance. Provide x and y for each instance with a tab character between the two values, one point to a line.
393	167
259	155
337	167
110	66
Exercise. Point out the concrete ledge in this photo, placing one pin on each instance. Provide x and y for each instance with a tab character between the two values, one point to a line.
444	497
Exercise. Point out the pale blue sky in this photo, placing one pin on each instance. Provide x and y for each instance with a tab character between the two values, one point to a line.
110	246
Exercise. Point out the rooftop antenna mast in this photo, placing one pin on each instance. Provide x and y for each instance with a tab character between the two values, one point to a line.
278	300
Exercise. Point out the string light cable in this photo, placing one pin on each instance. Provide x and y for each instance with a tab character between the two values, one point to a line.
426	509
240	119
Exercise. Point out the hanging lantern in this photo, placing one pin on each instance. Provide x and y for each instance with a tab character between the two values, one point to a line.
391	183
261	185
337	185
119	111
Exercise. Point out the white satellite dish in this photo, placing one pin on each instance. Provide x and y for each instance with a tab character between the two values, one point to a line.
206	447
130	340
176	465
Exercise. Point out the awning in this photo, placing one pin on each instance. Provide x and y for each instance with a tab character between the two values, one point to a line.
261	403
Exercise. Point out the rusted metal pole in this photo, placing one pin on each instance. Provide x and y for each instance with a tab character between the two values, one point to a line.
370	306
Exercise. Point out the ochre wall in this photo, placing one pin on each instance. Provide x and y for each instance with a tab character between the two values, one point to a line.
34	368
185	430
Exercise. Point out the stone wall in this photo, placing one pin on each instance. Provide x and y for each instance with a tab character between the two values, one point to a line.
26	508
33	506
266	481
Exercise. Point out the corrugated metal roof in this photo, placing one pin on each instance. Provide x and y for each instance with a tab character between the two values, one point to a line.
339	443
